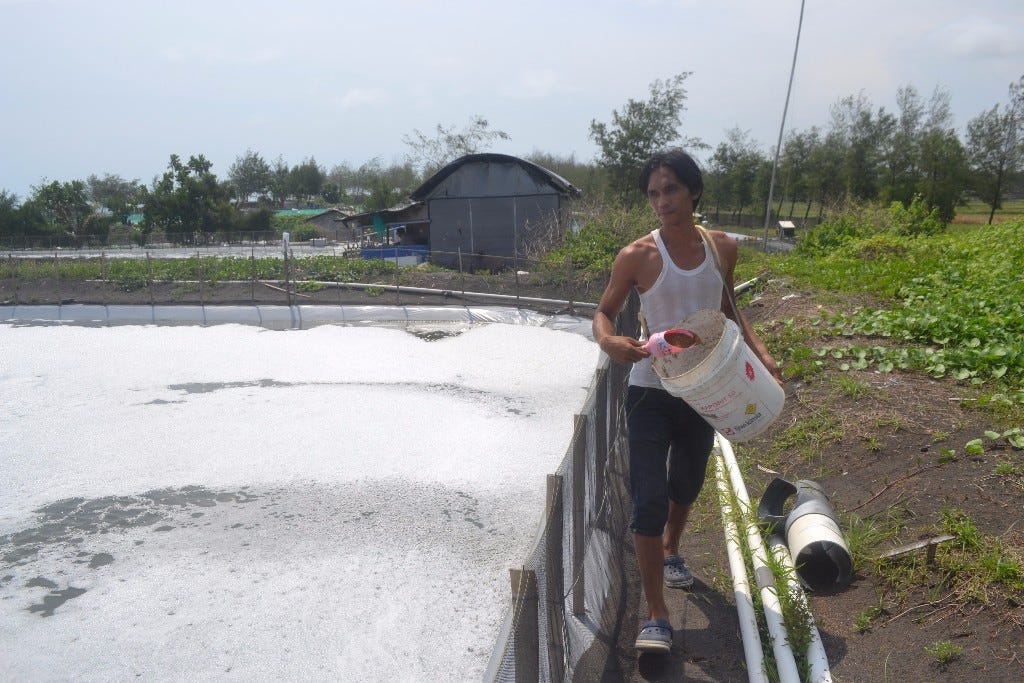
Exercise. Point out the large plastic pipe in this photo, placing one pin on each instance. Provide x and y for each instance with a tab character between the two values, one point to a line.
752	651
784	660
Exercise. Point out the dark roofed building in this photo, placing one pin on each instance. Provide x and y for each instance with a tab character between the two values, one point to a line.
492	205
484	208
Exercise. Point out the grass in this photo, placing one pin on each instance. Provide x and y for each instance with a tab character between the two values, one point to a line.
977	211
1005	468
866	618
851	387
864	536
973	568
944	652
809	436
795	613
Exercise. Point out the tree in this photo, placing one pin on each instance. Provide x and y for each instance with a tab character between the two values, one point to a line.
995	148
858	133
382	186
305	180
250	175
587	176
279	182
430	153
19	220
10	223
187	201
737	165
795	167
115	194
943	160
900	150
639	131
65	205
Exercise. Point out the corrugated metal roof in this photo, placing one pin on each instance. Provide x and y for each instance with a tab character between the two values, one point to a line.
301	212
538	173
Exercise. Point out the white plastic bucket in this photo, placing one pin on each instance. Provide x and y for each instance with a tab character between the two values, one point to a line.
722	379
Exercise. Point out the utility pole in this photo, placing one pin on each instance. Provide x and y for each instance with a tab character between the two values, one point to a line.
782	128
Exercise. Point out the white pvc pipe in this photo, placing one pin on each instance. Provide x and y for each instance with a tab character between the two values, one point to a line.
816	657
784	660
752	651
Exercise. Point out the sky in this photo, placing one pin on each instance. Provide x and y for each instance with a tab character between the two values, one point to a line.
112	86
278	506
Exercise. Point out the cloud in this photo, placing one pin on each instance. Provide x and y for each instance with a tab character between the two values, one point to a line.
531	84
207	55
362	97
977	36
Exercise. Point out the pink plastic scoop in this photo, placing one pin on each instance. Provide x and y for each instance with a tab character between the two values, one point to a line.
671	341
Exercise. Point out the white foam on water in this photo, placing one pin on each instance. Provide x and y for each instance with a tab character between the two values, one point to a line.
336	503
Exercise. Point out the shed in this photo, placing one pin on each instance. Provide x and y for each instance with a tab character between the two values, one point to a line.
405	224
490	207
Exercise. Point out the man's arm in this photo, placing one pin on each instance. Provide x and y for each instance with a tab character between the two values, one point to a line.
619	348
729	252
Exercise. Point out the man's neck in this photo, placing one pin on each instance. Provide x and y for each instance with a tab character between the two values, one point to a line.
682	228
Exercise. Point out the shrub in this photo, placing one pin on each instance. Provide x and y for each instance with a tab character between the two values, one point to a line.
839	229
304	232
915	219
254	221
594	246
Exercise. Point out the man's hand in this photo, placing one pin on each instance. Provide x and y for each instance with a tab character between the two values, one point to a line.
772	367
624	350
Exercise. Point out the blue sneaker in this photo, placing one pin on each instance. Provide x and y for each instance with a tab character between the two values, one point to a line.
677	574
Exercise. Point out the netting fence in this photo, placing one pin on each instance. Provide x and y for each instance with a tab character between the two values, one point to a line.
567	592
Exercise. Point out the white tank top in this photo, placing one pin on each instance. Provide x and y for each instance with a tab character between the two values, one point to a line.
676	294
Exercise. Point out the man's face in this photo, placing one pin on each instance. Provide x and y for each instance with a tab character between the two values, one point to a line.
670	199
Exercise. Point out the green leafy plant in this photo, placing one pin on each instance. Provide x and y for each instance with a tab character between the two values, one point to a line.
915	219
866	618
1005	468
949	304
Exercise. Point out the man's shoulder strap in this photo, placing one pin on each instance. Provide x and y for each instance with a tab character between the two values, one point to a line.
709	240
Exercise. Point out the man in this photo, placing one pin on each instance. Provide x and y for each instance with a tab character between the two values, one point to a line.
675	273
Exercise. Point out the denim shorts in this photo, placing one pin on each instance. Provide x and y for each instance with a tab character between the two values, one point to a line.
669	446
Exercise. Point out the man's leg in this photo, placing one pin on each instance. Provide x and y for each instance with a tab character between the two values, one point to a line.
677	516
650	561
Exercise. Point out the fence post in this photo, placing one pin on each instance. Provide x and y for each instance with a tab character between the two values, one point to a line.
56	275
103	275
18	277
252	274
515	268
568	281
525	630
579	522
462	275
200	271
555	570
149	278
398	282
600	435
287	275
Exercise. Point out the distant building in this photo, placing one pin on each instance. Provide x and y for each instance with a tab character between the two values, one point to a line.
484	208
328	221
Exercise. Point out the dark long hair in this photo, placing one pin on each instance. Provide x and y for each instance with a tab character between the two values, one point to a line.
682	164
